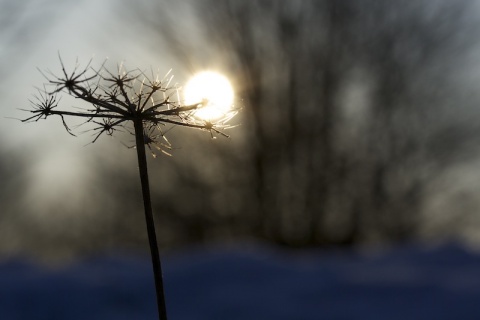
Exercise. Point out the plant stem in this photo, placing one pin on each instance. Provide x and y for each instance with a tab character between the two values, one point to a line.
152	238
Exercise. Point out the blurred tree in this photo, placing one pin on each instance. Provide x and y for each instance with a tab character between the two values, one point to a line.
343	112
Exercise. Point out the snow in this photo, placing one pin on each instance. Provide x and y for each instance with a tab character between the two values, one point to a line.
254	283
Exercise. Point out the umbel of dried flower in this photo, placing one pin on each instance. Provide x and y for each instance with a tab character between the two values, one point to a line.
126	100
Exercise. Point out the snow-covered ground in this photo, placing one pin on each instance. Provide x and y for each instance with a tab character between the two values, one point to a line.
255	283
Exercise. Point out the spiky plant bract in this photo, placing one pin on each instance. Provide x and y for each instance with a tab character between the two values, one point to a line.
125	99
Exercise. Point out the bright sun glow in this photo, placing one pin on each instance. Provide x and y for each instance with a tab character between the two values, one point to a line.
214	90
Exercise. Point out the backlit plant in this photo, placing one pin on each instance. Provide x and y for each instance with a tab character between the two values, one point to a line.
133	102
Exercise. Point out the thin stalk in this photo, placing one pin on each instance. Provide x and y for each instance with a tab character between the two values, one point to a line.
152	238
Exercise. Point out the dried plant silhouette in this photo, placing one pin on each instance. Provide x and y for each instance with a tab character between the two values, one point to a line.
126	100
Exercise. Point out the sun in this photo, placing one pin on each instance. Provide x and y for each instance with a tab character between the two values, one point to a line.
213	90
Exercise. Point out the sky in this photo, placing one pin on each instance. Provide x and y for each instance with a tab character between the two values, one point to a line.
58	166
58	171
